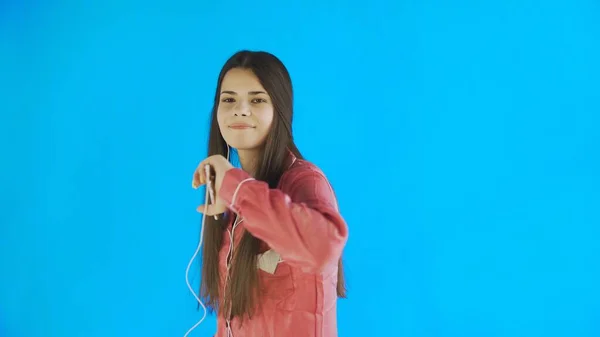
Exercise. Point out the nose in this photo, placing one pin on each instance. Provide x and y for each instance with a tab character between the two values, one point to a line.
242	109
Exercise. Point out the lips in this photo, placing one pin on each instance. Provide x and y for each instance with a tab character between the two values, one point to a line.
240	126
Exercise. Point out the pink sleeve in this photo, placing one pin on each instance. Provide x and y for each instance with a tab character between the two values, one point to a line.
304	227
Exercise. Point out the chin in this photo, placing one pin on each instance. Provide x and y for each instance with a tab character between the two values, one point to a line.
242	146
243	142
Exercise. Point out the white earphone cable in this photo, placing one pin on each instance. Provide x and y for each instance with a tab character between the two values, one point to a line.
187	271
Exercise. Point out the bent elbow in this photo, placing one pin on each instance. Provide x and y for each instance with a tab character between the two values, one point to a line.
329	255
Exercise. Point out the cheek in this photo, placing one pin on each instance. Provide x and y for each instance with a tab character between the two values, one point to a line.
266	118
220	119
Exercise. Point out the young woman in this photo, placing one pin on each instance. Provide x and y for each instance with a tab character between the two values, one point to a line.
272	259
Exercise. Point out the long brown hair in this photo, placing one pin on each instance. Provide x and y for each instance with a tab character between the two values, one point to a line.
243	286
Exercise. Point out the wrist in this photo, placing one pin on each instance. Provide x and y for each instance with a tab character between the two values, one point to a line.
232	183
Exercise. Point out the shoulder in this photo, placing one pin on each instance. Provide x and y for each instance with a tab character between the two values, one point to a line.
305	180
301	169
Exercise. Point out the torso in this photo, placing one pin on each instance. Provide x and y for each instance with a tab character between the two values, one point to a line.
292	301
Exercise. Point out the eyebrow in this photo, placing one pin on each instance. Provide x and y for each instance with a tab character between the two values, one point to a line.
249	92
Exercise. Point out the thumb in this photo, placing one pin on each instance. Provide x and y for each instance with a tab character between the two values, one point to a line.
203	208
210	210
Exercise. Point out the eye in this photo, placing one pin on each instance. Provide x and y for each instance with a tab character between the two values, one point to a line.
228	100
259	100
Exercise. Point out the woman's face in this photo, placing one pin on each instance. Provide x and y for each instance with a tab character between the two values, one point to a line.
245	111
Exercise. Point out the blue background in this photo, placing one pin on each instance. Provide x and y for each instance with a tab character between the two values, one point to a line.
476	124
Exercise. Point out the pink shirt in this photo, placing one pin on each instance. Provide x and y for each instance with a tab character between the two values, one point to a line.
301	223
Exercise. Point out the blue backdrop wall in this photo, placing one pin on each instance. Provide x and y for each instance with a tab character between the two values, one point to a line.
478	121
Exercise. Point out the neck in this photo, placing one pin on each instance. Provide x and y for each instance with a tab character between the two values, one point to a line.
248	159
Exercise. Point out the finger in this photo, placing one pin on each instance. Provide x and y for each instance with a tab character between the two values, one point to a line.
197	179
210	211
199	175
207	161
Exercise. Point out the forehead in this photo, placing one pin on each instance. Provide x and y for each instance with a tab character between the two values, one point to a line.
241	80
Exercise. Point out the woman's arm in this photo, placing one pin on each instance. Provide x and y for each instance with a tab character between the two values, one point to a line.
304	227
